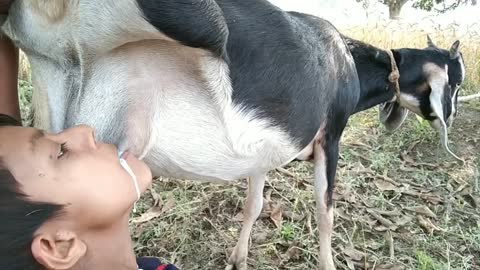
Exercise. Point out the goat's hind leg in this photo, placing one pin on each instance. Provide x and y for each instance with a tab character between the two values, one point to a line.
326	157
251	211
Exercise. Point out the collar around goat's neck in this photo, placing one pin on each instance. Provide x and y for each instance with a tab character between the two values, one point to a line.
394	75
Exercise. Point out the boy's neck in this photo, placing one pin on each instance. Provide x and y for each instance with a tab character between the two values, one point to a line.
109	248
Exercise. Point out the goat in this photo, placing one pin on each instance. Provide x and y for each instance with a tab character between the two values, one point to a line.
429	80
213	90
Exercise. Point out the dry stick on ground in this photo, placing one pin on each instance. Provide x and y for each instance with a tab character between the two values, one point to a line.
389	239
468	98
287	172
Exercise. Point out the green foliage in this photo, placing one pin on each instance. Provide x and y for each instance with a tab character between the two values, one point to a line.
25	99
425	4
429	5
425	262
288	232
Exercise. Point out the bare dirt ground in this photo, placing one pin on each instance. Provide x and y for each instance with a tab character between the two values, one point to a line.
400	203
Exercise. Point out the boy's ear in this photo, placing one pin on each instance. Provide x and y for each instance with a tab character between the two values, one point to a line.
58	252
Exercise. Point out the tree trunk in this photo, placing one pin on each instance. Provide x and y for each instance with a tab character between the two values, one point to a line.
395	7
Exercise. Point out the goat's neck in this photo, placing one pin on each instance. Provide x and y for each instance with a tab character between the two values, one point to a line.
372	95
373	67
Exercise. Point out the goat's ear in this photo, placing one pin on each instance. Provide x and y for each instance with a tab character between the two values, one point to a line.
455	50
430	42
392	115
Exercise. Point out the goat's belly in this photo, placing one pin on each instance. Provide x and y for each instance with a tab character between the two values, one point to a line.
189	139
179	116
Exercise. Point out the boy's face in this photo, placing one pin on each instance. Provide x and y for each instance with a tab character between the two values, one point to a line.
82	175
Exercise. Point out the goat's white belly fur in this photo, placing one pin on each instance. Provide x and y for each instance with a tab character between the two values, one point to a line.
176	124
190	141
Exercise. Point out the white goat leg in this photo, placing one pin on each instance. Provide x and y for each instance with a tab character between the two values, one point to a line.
252	209
324	212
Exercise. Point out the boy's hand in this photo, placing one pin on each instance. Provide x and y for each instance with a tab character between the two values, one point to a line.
8	70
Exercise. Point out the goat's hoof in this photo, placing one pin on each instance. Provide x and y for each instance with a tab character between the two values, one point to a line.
326	266
241	266
236	262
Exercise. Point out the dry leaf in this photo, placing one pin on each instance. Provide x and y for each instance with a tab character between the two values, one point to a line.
424	164
385	222
350	264
350	197
260	237
309	224
449	187
389	239
360	144
427	225
422	210
152	213
287	172
293	216
293	253
384	185
169	205
392	213
340	212
471	200
363	265
353	253
346	196
403	221
276	215
239	217
407	158
156	197
390	267
411	162
432	198
381	228
461	189
268	195
410	148
337	196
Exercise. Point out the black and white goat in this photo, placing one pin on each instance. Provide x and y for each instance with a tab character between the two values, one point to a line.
214	89
429	83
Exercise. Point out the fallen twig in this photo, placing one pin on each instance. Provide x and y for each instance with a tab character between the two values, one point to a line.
286	172
468	98
389	238
387	223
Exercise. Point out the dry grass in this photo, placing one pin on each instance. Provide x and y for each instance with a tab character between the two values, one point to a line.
400	202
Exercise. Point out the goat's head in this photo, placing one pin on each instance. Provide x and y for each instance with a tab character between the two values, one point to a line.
430	80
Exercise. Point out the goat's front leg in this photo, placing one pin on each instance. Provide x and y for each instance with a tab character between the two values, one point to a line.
324	176
251	211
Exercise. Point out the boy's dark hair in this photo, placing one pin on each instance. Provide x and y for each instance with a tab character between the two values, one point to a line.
19	219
